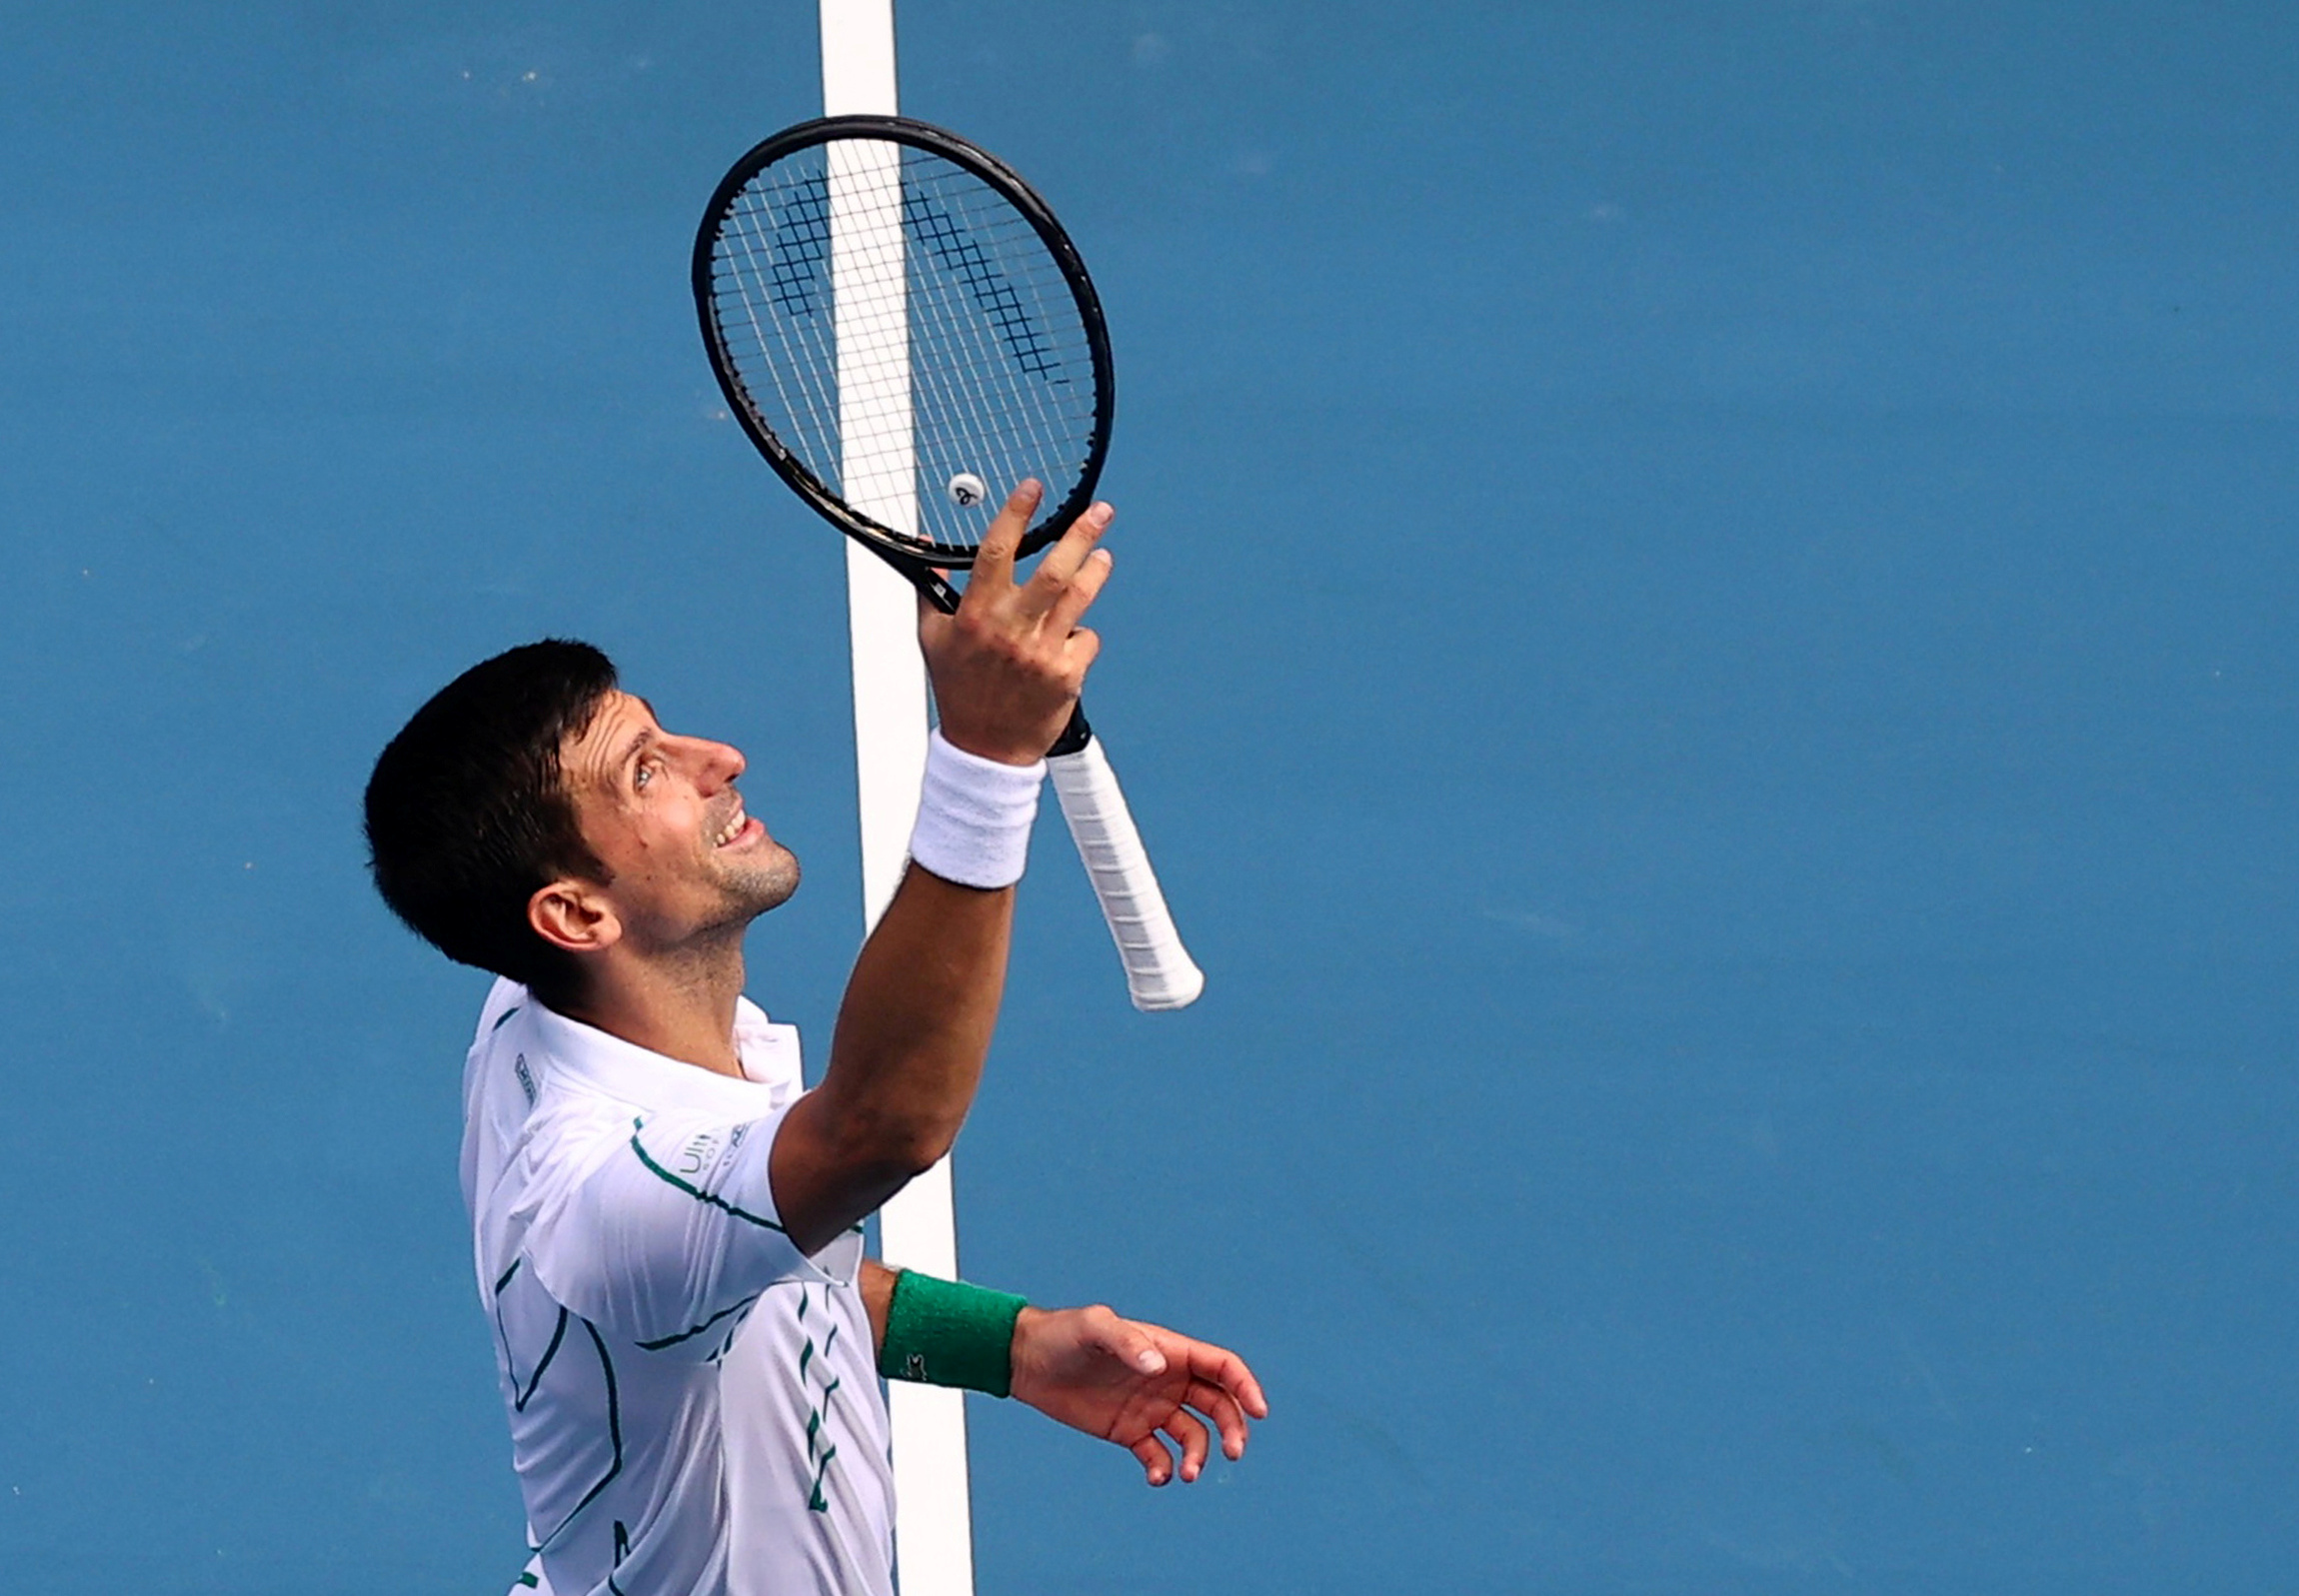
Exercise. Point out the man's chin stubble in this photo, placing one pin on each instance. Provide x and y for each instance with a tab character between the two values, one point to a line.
769	887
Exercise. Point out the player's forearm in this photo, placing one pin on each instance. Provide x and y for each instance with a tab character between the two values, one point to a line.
916	1025
915	1022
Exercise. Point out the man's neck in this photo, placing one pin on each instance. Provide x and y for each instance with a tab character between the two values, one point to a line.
681	1005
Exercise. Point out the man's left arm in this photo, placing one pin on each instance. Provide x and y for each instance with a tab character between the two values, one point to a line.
1121	1380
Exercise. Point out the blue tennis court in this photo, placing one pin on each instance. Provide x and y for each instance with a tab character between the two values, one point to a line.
1702	633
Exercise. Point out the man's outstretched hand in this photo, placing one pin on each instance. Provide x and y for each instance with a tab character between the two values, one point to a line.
1125	1381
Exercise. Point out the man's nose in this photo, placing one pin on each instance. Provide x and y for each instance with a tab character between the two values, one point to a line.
717	764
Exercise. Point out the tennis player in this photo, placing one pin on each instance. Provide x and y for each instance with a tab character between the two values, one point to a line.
666	1226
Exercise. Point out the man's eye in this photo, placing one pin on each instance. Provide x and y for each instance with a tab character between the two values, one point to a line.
646	774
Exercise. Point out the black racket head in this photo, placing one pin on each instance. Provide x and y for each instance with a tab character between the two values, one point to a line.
956	281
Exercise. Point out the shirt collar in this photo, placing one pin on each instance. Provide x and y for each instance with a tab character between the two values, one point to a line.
637	1076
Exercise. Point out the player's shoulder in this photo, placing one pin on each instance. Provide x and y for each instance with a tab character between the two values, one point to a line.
504	1000
502	1051
524	1081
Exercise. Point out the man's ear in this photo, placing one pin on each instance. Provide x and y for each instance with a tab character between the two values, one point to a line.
573	916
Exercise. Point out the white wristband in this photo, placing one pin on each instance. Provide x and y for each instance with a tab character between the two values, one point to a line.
974	816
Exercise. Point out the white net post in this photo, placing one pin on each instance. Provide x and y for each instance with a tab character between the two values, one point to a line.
933	1539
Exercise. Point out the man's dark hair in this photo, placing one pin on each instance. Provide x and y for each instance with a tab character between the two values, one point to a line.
466	812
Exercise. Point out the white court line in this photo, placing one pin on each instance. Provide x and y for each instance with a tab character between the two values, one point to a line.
934	1535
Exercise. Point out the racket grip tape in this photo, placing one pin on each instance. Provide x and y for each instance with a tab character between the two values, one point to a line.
1158	971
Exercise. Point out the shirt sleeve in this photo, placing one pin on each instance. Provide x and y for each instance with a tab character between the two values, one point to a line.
669	1241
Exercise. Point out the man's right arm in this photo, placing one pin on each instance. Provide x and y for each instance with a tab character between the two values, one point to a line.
914	1028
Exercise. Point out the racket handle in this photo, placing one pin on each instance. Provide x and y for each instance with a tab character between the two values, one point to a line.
1158	971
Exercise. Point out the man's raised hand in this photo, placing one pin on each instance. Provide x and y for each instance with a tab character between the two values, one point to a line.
1007	668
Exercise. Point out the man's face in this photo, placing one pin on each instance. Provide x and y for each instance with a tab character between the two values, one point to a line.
662	814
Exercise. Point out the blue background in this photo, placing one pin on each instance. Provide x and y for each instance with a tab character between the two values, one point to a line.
1702	637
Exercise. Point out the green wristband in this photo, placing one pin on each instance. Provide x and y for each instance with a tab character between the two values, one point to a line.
945	1332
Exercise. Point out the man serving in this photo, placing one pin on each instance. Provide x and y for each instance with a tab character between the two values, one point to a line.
666	1226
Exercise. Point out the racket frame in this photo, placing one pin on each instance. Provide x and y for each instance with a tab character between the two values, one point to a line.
916	558
1158	971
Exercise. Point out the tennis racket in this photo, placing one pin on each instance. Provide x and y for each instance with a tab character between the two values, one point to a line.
905	331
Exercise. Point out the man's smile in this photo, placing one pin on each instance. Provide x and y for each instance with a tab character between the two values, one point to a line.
738	828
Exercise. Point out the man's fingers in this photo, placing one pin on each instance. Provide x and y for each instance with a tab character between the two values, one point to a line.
1221	1367
1083	589
1079	650
1220	1406
1064	560
1127	1342
1195	1443
1156	1462
995	557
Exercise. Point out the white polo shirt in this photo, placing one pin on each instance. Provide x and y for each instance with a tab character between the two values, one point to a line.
694	1407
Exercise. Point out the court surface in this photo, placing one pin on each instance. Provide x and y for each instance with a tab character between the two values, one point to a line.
1703	637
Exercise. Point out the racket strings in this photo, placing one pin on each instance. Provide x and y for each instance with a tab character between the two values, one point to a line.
932	226
784	247
949	317
882	472
985	423
896	323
